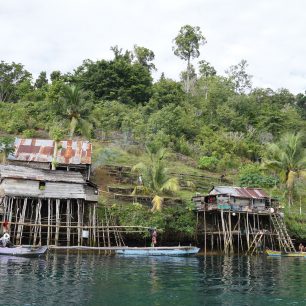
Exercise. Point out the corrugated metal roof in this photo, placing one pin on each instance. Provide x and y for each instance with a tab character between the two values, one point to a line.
241	192
70	152
27	173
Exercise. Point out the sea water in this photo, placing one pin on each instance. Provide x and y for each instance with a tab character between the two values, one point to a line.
81	279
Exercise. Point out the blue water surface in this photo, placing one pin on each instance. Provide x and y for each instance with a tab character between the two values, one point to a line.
65	279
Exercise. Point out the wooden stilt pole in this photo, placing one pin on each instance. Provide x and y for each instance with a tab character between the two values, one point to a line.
21	220
49	221
39	220
57	218
79	222
35	226
247	230
68	217
205	233
94	231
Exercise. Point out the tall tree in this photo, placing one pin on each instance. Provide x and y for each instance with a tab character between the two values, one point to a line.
55	75
288	158
42	80
11	76
155	178
118	79
206	69
237	74
187	45
144	57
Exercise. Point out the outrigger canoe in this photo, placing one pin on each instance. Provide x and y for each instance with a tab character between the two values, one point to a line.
24	251
159	251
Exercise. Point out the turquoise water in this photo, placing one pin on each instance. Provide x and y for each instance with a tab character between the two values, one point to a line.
107	280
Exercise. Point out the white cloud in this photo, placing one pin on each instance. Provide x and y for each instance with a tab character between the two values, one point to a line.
59	34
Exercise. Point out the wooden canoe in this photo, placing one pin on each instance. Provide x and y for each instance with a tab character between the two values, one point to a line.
158	251
296	254
273	253
24	251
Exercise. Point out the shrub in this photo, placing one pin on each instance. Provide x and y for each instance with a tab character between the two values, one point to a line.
250	175
208	163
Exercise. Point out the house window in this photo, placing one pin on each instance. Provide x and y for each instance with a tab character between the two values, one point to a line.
42	185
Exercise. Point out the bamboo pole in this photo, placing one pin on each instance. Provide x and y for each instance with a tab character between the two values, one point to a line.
205	228
49	221
68	221
94	223
79	222
57	220
35	226
39	220
21	220
247	230
224	232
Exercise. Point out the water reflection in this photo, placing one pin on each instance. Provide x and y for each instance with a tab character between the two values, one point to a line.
107	280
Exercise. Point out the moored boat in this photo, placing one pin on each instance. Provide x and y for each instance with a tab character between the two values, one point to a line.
25	251
159	251
294	254
273	253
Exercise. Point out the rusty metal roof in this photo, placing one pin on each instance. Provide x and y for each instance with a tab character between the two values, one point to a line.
241	192
70	152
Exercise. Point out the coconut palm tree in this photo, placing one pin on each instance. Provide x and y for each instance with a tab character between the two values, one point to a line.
74	102
288	158
155	178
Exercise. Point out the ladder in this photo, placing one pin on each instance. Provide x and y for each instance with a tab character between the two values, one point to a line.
256	242
279	225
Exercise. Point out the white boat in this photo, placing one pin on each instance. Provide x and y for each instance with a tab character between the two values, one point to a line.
25	251
158	251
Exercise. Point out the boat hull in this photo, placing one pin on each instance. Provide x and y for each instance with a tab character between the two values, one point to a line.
24	251
159	251
297	254
273	253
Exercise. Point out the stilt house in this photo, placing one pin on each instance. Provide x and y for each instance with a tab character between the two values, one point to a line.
236	199
46	207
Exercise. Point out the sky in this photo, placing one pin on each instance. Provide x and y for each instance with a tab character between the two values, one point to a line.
48	35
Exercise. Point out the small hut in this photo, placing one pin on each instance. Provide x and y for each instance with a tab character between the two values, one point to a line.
46	207
242	199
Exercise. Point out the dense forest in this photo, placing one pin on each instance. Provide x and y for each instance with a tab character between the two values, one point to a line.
219	120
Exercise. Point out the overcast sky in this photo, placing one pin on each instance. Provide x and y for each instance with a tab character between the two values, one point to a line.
59	34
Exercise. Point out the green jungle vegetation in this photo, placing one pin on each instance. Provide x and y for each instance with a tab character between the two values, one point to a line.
204	124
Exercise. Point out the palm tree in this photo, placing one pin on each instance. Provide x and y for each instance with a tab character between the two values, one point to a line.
74	103
288	158
155	178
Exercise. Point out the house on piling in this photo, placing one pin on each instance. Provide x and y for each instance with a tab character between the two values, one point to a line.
46	207
239	219
68	155
239	199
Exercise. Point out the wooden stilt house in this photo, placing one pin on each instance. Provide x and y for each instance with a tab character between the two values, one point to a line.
45	207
